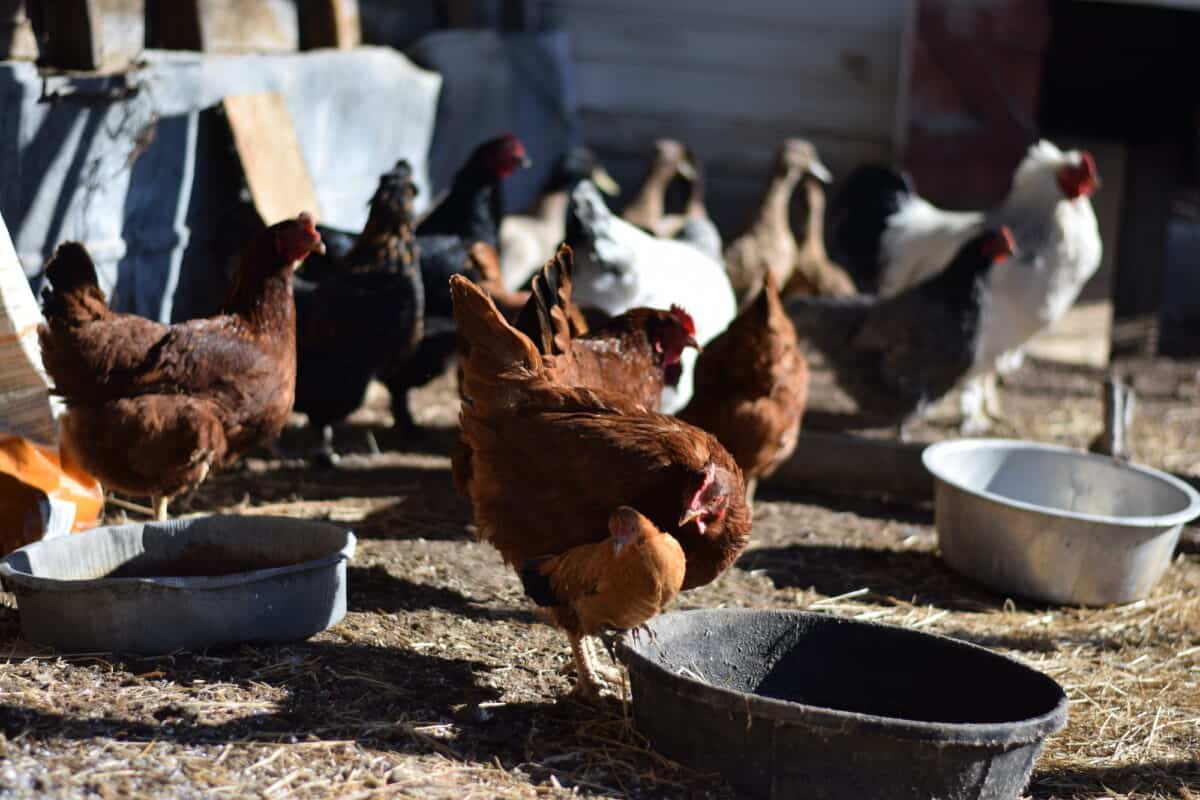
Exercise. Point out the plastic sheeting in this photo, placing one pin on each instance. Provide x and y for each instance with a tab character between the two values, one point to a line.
139	166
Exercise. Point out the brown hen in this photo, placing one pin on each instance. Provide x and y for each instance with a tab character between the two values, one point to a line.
752	387
634	354
152	408
617	583
551	462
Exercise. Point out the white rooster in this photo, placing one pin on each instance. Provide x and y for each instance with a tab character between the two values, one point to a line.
618	267
892	235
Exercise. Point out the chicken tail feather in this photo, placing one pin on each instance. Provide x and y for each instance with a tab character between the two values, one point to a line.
871	195
490	345
549	318
71	274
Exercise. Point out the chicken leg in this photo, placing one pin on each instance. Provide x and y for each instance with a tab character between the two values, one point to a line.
325	456
587	685
159	503
610	675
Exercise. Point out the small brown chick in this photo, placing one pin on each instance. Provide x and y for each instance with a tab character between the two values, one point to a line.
617	583
752	387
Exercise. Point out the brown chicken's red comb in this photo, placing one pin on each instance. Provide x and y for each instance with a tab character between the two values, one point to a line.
684	319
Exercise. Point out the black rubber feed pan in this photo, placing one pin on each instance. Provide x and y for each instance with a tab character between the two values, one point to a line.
801	705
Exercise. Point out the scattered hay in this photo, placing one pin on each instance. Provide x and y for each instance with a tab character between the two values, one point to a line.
440	683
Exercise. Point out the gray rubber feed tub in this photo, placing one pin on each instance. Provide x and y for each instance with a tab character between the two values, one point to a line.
1055	524
188	584
790	704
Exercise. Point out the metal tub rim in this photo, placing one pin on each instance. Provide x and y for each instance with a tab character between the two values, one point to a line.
934	455
15	580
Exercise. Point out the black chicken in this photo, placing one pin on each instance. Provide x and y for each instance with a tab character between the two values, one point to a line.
362	313
469	213
895	356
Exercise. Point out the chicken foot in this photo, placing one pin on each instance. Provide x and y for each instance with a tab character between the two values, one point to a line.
613	675
980	405
587	684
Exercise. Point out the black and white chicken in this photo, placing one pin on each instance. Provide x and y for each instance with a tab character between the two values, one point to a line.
892	239
896	355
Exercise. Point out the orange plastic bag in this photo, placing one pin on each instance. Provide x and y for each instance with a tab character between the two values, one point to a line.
43	494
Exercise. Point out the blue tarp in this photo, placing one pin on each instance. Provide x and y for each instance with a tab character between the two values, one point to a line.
140	167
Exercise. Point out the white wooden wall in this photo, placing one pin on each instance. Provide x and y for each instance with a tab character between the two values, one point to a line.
734	77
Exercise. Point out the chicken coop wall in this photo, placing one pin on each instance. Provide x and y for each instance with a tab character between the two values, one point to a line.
733	80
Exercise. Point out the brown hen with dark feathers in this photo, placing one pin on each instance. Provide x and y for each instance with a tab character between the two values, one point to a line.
152	407
550	462
752	386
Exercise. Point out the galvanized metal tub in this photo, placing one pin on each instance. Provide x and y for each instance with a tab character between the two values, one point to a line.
795	704
157	587
1055	524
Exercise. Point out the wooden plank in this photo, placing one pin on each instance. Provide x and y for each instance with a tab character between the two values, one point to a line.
270	154
868	59
843	464
860	15
836	105
17	41
72	35
727	143
223	26
329	23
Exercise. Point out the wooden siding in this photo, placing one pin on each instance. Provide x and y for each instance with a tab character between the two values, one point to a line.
732	80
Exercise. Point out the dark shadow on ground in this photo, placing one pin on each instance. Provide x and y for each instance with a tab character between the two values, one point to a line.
427	506
910	576
1166	778
885	508
375	589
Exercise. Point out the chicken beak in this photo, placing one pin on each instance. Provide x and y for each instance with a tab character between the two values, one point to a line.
618	546
691	342
526	162
690	515
687	170
320	248
605	183
820	172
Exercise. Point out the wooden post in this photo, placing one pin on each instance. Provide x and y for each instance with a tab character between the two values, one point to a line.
16	33
71	34
1142	250
329	23
1120	403
174	24
219	26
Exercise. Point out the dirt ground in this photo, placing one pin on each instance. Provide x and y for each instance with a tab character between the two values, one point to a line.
441	683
